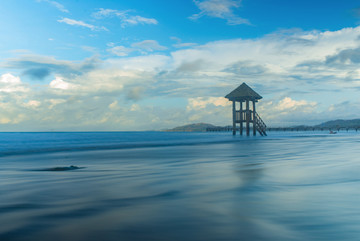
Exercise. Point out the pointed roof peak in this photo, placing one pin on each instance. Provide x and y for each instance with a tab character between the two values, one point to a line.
243	92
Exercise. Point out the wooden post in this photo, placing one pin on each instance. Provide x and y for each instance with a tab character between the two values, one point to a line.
241	118
247	118
234	117
254	119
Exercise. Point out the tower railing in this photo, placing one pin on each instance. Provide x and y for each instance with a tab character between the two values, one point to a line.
242	114
247	115
260	125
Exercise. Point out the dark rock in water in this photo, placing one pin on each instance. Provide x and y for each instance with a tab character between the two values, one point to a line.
55	169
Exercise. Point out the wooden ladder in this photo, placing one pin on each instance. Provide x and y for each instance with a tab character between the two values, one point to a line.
260	125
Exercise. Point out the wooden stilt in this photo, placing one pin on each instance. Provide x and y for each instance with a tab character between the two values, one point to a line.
254	118
247	118
234	118
241	118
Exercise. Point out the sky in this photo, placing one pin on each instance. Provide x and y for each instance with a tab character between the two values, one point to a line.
117	65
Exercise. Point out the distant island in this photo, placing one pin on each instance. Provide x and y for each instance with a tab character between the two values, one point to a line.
355	123
198	127
333	124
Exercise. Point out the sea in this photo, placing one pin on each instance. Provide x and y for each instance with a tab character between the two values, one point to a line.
80	186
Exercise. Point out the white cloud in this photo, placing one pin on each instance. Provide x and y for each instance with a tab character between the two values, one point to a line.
32	104
184	45
120	51
279	54
58	83
180	44
135	107
148	45
109	13
14	120
124	16
202	102
287	104
134	20
10	83
56	4
214	110
132	67
10	79
114	105
81	23
289	112
54	102
219	9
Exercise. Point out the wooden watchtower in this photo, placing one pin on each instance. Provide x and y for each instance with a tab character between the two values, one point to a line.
243	114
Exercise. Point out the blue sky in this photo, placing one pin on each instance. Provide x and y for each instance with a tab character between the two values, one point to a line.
154	64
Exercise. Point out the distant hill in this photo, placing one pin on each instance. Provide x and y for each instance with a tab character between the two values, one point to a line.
198	127
201	127
340	124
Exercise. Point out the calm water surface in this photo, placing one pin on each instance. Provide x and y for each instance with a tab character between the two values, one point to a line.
180	186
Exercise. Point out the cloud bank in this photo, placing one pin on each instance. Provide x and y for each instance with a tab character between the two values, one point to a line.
304	77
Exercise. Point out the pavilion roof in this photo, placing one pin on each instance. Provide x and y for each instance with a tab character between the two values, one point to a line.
243	92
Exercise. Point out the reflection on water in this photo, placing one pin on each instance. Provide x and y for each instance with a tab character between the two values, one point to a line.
276	188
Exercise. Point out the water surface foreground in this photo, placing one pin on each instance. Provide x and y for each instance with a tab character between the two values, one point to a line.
179	186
